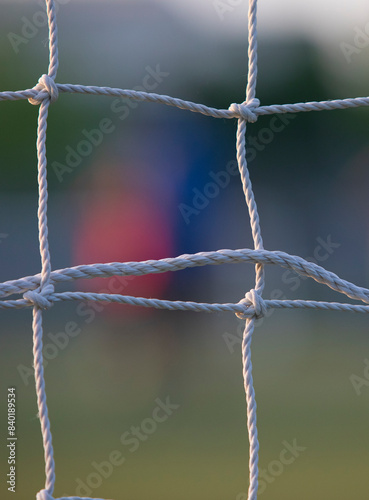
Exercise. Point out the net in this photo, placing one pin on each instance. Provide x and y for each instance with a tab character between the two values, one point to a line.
38	291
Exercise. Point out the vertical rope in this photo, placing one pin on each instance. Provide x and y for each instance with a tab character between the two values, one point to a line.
258	245
45	255
251	409
249	326
53	39
43	194
41	401
252	51
250	200
37	314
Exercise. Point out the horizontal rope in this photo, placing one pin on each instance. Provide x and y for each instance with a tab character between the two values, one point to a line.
44	495
234	112
297	264
178	305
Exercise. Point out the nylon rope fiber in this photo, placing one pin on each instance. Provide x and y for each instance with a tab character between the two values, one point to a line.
38	291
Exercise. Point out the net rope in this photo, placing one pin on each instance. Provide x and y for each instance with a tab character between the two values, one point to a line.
38	291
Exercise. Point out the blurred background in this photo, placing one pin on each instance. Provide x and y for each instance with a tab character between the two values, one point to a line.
135	181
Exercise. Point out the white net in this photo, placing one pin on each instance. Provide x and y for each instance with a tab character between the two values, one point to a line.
39	293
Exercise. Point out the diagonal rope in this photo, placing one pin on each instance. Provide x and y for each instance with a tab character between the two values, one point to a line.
299	265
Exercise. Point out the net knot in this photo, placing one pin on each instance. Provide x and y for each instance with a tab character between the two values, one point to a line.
40	298
255	306
44	495
246	110
46	89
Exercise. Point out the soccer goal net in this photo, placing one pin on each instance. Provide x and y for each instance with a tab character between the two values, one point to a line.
39	291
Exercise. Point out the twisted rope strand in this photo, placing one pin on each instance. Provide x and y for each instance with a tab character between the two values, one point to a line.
37	314
244	307
38	290
41	400
251	409
53	39
299	265
39	298
348	103
250	200
252	52
255	296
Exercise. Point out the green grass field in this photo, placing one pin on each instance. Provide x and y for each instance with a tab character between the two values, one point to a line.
107	381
